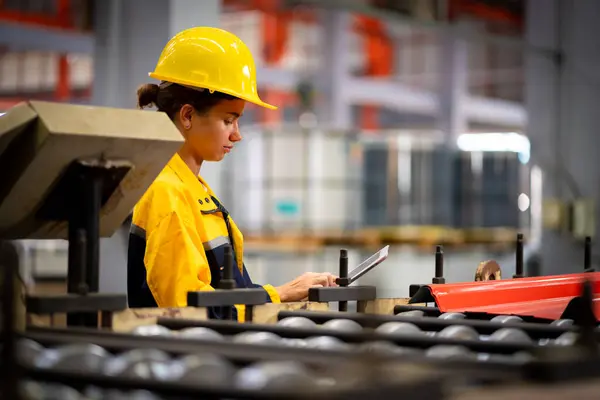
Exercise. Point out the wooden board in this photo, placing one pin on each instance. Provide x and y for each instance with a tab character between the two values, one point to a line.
126	320
385	306
129	319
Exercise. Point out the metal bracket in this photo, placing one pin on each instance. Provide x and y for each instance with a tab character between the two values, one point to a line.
361	294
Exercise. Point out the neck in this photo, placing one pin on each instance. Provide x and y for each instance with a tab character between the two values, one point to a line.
188	158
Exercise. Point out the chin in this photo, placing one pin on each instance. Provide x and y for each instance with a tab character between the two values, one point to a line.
217	158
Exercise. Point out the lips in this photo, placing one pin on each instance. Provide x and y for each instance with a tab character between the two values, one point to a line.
228	148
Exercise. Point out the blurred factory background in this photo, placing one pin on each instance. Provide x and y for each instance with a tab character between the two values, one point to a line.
406	122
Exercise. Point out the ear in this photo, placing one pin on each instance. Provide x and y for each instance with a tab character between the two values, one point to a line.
185	116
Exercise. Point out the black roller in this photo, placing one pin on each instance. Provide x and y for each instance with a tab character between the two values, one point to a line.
297	322
151	330
251	337
28	350
403	328
151	364
459	332
326	343
73	357
412	313
510	335
200	333
275	376
452	315
203	369
345	325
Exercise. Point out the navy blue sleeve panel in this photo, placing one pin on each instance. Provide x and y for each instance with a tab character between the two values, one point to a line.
250	284
242	279
138	292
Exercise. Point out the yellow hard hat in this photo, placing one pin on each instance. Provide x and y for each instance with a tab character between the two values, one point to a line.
213	59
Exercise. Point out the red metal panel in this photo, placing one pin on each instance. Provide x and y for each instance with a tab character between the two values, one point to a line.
62	19
543	297
544	308
63	84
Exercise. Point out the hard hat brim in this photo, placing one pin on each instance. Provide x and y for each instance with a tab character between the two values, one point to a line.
251	99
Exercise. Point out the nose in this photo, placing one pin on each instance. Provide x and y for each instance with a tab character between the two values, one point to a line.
235	136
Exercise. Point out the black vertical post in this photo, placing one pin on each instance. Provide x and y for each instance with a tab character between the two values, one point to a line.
585	319
343	274
587	255
439	266
84	252
227	282
9	265
519	257
75	265
93	205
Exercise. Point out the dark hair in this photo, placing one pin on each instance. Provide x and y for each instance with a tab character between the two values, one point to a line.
171	98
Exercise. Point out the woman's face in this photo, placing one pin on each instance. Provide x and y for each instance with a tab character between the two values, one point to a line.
213	134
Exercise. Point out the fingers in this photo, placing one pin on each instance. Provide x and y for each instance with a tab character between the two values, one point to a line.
320	280
326	279
331	278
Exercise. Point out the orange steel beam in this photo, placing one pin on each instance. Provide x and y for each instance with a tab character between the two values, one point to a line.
379	53
63	13
275	31
275	37
63	83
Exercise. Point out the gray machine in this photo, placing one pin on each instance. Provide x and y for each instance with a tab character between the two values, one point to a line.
75	172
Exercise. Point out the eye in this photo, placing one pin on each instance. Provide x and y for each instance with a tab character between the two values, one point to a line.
229	121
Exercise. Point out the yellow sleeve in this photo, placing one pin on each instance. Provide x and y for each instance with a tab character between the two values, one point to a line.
175	262
272	292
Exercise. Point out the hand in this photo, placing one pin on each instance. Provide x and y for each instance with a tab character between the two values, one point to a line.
297	289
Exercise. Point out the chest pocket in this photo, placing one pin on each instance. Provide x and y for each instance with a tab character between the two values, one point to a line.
218	226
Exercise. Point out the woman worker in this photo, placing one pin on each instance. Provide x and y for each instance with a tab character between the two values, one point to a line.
179	228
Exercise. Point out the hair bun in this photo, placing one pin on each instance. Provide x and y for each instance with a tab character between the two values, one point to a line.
148	95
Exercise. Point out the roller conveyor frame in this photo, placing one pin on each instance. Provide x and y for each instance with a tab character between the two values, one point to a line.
244	354
481	316
241	354
534	330
546	370
555	364
231	328
423	390
14	373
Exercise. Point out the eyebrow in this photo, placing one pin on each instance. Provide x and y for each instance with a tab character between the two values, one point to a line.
234	114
